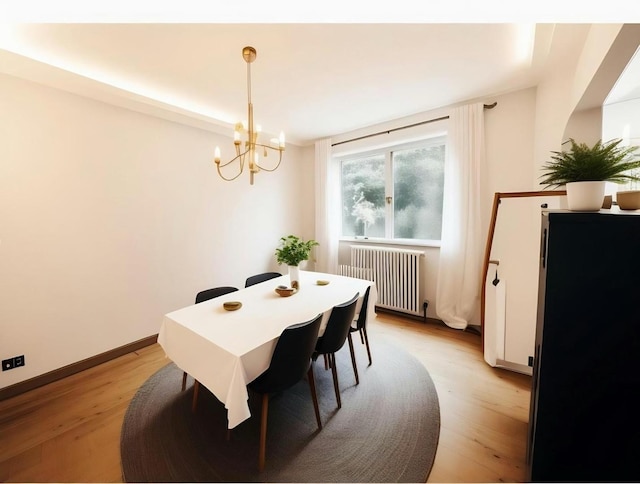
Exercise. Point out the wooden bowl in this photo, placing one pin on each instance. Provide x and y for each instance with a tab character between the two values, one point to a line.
285	292
232	305
628	200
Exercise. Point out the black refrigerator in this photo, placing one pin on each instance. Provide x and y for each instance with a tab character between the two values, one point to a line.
584	423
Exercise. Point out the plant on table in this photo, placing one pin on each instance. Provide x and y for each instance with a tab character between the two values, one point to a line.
293	250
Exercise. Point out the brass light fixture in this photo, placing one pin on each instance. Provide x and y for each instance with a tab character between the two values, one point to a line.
250	154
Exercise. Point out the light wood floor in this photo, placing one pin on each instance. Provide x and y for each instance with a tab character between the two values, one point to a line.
69	430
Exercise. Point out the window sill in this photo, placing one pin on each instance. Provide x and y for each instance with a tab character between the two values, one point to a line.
375	240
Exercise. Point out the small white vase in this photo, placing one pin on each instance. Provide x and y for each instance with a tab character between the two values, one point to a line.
585	195
294	276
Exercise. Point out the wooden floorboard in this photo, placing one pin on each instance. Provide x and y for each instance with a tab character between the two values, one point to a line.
69	430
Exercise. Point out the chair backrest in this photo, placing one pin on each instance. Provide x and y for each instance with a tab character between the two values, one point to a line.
214	292
258	278
361	322
335	334
291	357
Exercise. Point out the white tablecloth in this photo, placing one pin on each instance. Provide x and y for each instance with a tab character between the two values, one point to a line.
225	350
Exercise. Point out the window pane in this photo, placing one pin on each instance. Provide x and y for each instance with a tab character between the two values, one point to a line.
363	197
418	176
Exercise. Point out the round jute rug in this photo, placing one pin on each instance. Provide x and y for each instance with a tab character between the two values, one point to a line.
386	431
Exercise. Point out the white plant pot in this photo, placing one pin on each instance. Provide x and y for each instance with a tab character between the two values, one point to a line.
585	195
294	276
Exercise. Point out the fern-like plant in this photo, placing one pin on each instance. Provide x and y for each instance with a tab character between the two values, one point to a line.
602	162
294	250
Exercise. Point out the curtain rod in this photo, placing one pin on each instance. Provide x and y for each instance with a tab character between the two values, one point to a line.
486	106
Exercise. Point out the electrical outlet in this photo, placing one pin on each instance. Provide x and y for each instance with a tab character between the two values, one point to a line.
11	363
7	364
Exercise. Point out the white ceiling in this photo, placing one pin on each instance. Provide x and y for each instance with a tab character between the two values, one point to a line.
309	80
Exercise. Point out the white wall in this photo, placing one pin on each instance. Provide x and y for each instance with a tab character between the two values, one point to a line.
111	218
584	127
509	129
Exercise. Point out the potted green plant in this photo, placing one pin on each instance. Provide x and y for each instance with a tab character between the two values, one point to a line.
584	170
292	251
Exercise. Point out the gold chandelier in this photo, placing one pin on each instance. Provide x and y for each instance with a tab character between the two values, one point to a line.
250	154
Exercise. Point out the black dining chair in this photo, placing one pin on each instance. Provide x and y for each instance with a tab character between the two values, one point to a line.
290	362
361	326
201	297
334	336
207	294
258	278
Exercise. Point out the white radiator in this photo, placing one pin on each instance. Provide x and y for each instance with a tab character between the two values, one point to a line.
357	272
396	273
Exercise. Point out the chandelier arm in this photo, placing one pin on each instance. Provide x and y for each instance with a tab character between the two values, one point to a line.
275	167
239	156
228	179
271	147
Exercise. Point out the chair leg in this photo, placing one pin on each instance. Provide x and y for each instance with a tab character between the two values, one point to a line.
263	431
366	340
326	362
353	358
334	370
196	387
184	380
314	397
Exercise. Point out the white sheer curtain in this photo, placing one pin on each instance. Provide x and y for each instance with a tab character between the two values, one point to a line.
461	250
327	208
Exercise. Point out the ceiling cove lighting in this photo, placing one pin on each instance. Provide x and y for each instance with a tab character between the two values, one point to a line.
250	155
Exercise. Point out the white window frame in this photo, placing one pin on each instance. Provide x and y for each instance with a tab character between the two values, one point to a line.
440	138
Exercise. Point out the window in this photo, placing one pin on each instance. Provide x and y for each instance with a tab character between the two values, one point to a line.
394	193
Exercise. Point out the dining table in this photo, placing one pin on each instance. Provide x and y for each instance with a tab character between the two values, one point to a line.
225	350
